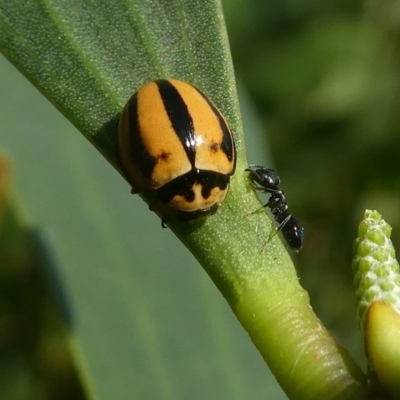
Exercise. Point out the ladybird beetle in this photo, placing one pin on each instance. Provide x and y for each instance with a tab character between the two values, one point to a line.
175	144
266	180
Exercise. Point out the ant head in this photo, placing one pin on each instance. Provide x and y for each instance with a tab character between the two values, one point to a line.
265	177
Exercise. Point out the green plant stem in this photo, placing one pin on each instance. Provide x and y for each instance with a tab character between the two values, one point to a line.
259	282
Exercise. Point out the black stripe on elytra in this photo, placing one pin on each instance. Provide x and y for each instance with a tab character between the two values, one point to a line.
139	155
179	116
227	145
183	185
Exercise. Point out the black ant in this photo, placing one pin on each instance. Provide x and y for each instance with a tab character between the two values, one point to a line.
266	180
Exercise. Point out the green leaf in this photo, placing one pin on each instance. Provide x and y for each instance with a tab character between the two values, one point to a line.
144	320
87	58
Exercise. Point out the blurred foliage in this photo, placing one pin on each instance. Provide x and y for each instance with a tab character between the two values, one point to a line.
34	357
325	80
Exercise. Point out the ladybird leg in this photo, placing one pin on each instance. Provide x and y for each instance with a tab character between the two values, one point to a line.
163	224
153	207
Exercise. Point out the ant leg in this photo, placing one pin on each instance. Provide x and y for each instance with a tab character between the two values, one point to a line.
276	230
270	202
256	211
268	190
